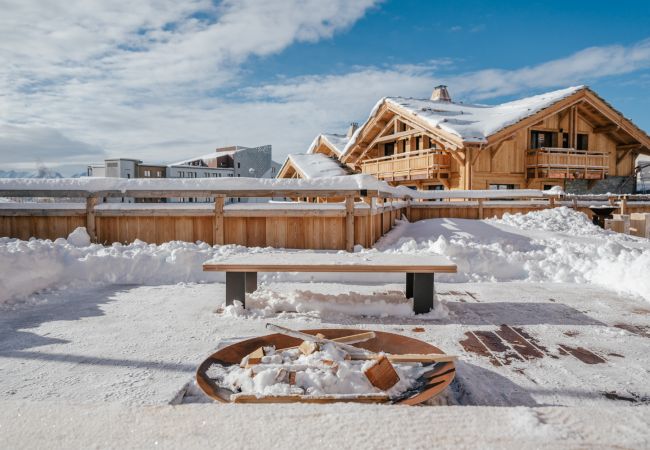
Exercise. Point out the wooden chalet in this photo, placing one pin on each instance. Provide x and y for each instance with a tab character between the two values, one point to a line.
536	142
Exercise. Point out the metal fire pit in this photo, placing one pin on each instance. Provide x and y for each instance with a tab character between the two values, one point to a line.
601	213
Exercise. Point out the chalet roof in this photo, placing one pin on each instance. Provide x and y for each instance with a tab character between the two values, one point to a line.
315	165
474	123
337	142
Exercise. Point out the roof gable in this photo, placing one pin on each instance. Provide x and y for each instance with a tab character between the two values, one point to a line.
312	165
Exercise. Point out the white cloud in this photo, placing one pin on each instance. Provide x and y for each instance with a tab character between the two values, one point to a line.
136	79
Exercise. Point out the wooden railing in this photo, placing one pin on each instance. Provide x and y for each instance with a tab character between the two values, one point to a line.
415	165
567	163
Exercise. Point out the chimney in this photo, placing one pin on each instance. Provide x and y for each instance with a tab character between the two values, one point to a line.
353	127
440	94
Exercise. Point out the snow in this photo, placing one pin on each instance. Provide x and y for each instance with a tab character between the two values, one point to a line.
79	237
95	335
316	165
474	123
337	142
324	372
557	245
98	184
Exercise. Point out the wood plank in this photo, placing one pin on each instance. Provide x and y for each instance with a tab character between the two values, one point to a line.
331	262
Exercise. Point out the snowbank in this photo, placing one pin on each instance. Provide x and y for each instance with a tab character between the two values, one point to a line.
552	245
556	245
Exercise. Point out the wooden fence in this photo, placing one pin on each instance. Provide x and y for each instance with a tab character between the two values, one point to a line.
361	219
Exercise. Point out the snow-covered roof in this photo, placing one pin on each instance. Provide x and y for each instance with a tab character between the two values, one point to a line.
474	123
316	165
471	123
337	142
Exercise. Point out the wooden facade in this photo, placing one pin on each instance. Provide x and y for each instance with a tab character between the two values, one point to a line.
578	137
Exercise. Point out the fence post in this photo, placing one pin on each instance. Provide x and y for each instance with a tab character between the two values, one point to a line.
91	202
349	223
551	202
218	232
624	205
480	209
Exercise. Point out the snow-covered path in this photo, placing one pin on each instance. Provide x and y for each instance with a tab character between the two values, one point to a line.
141	344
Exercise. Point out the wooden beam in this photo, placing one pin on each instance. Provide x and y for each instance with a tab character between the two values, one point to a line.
218	232
606	129
628	147
91	202
349	223
393	137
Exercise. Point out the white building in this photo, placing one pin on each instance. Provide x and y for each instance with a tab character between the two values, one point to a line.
237	161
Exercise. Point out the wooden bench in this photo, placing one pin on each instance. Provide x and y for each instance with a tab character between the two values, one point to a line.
241	270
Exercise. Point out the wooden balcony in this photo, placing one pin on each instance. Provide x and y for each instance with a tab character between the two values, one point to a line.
567	163
416	165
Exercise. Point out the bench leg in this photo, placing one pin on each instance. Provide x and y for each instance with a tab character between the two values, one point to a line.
251	282
423	292
409	285
235	287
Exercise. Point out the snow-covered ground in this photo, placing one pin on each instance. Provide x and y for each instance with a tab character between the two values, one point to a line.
548	314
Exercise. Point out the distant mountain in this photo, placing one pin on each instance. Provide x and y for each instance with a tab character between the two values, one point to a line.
42	172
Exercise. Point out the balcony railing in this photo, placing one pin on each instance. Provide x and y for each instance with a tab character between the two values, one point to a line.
567	163
415	165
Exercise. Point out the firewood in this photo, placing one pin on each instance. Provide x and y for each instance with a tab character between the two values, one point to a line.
382	374
351	339
253	358
308	347
308	337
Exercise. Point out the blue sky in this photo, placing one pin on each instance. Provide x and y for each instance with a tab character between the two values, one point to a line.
165	80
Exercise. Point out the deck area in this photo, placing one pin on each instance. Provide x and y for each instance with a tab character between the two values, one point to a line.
567	163
415	165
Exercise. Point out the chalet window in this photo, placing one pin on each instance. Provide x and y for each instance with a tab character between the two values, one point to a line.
500	187
582	141
389	149
565	140
435	187
417	143
539	139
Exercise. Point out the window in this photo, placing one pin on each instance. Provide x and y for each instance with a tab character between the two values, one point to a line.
582	141
238	165
565	140
147	173
417	143
389	149
500	187
158	174
435	187
539	139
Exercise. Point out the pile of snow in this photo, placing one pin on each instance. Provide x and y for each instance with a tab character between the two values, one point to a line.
269	300
79	237
560	220
553	245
